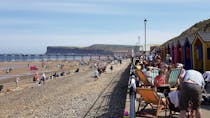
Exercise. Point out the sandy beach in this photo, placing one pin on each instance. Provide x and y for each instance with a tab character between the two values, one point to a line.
68	96
22	70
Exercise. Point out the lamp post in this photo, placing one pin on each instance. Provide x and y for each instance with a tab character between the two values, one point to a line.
145	22
139	45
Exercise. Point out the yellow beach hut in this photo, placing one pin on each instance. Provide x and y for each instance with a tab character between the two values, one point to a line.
201	51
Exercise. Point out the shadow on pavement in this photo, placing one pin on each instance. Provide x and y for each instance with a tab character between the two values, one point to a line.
118	97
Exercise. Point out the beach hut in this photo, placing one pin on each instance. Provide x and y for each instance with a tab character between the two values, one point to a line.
201	51
171	47
172	50
179	51
162	52
168	48
182	40
188	58
175	52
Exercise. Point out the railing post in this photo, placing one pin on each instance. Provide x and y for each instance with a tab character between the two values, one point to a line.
132	97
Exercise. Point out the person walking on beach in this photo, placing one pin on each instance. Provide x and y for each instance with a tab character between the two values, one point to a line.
96	74
17	81
43	78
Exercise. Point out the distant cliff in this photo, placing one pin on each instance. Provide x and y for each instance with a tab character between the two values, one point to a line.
111	47
97	49
75	51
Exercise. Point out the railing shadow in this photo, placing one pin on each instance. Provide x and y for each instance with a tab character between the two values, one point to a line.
116	105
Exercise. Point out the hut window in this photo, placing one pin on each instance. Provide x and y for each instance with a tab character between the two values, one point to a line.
208	53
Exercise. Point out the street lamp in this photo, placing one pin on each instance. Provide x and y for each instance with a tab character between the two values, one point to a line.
145	22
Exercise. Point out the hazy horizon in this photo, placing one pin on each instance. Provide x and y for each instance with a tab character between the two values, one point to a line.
28	26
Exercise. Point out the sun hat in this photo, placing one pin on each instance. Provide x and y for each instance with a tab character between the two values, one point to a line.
179	65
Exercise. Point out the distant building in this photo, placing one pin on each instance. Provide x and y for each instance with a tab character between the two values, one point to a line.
122	53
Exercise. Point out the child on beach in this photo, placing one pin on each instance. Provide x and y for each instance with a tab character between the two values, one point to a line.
37	77
17	81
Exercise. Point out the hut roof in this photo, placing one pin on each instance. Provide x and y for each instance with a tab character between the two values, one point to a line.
204	35
181	41
190	38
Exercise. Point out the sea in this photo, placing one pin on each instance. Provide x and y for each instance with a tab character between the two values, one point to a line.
44	57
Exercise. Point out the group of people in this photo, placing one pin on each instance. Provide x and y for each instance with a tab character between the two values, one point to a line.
191	83
98	69
39	79
101	68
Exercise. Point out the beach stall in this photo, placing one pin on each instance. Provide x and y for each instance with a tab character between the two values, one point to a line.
188	58
201	51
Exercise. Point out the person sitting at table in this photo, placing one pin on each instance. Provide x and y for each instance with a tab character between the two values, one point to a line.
160	82
160	79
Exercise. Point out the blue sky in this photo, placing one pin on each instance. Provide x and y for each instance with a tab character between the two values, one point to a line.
29	26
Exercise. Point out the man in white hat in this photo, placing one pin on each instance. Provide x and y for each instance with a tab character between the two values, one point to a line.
182	73
179	65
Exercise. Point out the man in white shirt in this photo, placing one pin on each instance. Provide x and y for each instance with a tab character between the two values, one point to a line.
192	85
